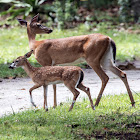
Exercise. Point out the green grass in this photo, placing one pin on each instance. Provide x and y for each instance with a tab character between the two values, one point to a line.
114	118
14	43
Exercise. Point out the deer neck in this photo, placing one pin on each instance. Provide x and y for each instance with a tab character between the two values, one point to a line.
31	37
29	69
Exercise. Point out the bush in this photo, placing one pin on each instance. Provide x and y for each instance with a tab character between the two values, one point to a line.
24	8
129	10
65	12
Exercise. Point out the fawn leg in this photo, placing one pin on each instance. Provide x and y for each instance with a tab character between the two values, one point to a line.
55	101
45	97
30	91
76	94
71	87
87	91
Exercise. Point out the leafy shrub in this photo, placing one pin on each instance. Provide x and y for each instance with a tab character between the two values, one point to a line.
129	10
124	10
65	12
24	7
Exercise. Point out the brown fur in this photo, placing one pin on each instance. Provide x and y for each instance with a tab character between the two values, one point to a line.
43	76
70	49
93	48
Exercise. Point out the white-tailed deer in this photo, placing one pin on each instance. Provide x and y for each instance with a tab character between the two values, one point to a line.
97	50
71	76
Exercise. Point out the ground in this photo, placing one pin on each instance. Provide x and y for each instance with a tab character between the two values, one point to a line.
14	95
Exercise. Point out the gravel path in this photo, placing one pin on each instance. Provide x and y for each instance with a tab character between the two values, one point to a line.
14	92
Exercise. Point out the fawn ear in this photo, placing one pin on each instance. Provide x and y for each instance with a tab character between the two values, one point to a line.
22	22
27	55
35	18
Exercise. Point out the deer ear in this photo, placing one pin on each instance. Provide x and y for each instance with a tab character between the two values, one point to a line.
35	18
27	55
22	22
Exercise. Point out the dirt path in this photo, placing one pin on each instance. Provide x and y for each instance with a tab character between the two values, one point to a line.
14	93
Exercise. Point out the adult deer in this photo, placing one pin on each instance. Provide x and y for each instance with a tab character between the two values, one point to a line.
97	50
71	76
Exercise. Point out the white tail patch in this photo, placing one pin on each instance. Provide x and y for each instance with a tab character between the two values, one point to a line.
78	80
107	60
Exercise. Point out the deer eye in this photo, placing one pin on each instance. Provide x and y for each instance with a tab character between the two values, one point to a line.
38	25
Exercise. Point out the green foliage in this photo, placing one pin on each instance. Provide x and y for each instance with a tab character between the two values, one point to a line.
70	10
65	12
90	4
6	73
114	118
125	10
129	10
24	7
60	12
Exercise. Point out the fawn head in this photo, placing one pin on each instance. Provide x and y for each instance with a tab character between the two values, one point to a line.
34	26
20	60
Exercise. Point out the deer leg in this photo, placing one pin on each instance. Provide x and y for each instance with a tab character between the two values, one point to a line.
45	87
30	91
104	78
71	87
123	77
55	101
87	91
76	94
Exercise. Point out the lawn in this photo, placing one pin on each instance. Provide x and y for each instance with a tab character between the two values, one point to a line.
14	42
114	118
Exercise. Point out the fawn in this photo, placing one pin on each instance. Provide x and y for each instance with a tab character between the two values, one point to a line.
71	76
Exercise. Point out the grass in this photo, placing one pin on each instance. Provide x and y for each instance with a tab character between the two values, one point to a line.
14	43
114	118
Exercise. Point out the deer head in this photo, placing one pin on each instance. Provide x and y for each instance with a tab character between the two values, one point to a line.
20	60
34	26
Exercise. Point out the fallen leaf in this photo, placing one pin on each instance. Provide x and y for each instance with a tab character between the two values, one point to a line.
23	89
106	129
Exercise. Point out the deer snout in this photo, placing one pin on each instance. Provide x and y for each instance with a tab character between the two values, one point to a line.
10	67
50	30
